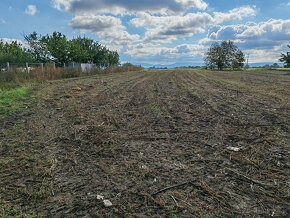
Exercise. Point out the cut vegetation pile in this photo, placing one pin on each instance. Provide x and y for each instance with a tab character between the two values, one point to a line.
221	137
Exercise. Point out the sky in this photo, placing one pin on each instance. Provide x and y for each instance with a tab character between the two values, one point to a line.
164	32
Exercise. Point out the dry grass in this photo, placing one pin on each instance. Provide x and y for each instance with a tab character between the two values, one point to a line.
16	77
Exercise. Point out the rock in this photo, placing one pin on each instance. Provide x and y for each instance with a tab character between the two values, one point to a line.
119	195
100	197
233	149
107	203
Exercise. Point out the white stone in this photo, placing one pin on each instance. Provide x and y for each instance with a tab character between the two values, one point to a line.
100	197
108	203
233	149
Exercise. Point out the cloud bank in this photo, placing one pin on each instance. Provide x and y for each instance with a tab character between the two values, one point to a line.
164	22
128	6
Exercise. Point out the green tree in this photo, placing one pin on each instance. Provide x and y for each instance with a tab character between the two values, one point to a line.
286	59
38	48
101	56
113	58
274	66
224	55
14	52
79	51
58	47
238	60
128	64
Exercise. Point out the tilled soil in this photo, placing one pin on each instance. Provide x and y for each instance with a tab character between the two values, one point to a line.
220	137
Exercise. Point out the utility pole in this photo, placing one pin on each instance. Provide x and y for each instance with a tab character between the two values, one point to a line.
247	65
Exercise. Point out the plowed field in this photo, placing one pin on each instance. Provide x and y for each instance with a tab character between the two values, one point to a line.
218	142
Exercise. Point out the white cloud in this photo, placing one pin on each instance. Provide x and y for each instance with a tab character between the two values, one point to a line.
268	34
170	27
9	41
264	41
122	6
263	55
165	21
31	10
288	4
61	4
96	23
235	14
108	27
158	54
2	21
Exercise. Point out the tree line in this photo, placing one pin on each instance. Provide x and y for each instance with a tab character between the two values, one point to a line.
59	49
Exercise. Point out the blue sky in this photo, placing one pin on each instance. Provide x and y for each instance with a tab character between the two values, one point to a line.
157	31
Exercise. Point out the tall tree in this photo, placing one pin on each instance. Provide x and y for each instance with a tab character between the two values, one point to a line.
80	50
286	58
58	46
224	55
113	58
38	48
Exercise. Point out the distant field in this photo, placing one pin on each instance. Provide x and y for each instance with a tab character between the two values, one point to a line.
284	69
221	137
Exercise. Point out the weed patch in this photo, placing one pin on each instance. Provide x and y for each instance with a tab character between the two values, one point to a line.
12	100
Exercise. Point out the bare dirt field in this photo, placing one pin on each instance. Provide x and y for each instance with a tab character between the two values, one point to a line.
221	137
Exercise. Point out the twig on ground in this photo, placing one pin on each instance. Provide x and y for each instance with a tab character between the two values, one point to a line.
174	186
249	179
174	200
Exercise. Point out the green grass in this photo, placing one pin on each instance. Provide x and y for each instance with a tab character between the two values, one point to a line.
8	210
12	100
256	69
283	68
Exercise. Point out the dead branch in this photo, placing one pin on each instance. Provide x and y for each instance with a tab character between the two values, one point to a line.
172	187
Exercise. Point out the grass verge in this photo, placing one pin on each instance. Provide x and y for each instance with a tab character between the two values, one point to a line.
12	100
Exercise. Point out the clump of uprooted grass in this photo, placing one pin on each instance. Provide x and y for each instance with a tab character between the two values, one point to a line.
16	77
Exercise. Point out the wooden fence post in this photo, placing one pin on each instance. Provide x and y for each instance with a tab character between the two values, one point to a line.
41	65
8	67
53	64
